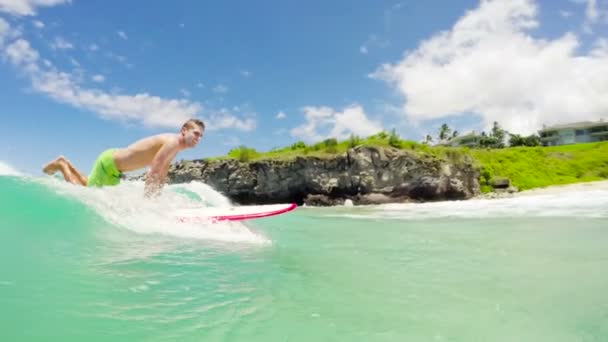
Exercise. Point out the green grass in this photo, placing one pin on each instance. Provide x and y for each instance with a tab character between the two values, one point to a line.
534	167
325	149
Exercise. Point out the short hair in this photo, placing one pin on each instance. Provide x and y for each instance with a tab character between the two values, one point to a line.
189	123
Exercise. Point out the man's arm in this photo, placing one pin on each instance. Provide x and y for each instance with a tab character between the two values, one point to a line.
160	167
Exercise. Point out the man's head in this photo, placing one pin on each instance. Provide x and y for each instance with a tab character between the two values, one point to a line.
192	131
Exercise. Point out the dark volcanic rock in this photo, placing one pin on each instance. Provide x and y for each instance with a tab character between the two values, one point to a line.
500	183
366	175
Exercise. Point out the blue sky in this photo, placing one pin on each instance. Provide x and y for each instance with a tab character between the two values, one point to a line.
78	77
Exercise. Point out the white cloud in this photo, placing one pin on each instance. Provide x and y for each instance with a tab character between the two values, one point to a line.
62	87
185	92
66	88
27	7
592	12
119	59
325	122
224	119
388	16
93	47
148	109
98	78
38	24
281	115
373	41
281	131
246	73
565	14
220	89
488	64
61	44
21	54
74	62
5	31
231	141
122	35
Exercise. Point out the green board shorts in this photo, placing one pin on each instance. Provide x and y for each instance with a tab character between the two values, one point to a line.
104	171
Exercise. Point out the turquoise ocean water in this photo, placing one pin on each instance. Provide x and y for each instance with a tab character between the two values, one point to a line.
80	264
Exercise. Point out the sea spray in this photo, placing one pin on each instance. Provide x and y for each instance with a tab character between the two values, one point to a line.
125	206
8	170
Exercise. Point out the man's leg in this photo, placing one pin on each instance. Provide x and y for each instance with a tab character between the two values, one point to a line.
70	173
81	178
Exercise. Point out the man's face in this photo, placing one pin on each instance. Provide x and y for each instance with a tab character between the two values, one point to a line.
192	135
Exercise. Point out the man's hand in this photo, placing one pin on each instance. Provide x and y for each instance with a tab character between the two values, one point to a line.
159	168
153	185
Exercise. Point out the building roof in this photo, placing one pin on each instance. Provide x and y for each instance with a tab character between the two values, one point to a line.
575	125
464	136
458	138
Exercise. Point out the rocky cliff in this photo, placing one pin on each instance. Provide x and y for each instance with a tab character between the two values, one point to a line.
365	175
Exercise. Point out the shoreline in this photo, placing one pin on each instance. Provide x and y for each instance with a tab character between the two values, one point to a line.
550	190
555	189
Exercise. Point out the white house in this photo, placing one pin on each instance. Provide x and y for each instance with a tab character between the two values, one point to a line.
573	133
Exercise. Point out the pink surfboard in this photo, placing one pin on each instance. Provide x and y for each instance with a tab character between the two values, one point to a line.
246	212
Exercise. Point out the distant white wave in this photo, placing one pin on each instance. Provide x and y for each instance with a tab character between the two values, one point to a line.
571	202
7	170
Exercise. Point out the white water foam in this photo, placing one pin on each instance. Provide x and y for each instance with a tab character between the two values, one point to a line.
580	203
126	206
7	170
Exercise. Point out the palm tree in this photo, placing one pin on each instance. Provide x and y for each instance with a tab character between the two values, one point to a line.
444	132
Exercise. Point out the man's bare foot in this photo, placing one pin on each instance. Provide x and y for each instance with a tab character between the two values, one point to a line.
50	168
53	166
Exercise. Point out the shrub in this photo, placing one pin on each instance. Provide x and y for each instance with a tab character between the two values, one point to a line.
394	140
380	135
354	141
330	142
518	140
412	145
243	153
331	149
316	147
486	188
298	145
486	176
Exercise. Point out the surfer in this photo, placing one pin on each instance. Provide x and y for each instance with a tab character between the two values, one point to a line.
156	151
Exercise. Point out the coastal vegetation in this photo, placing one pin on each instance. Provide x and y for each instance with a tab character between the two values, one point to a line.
326	148
525	163
533	167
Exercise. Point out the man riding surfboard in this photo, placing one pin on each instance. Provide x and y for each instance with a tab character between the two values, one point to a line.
156	151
